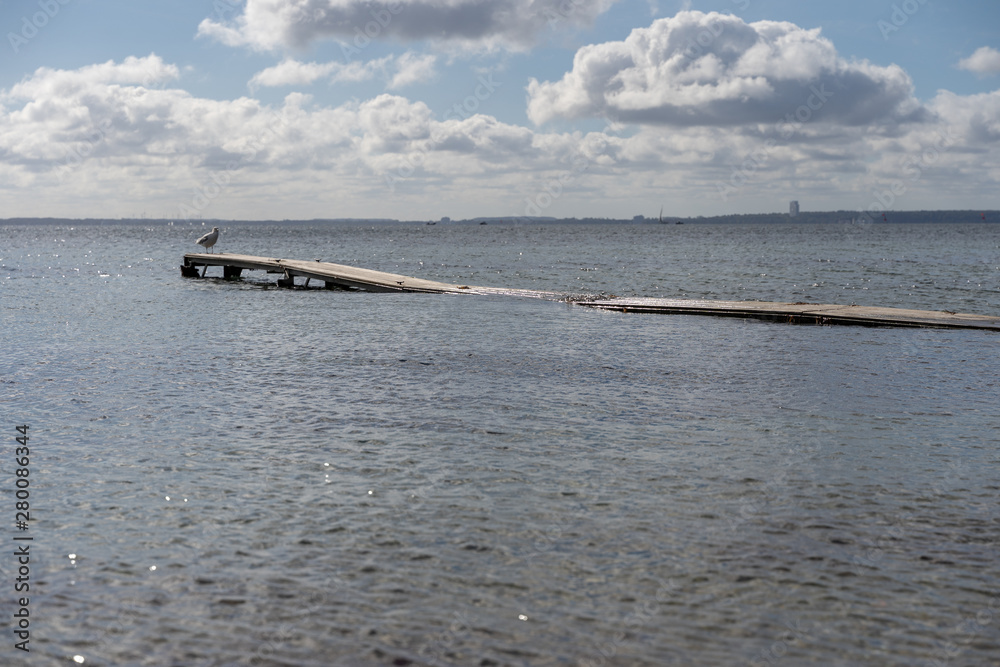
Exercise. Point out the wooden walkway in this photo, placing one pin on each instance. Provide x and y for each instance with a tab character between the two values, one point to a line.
804	313
339	276
336	276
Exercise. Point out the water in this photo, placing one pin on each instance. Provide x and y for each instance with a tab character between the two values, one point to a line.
253	476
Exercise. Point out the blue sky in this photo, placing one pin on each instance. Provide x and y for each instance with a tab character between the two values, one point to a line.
288	109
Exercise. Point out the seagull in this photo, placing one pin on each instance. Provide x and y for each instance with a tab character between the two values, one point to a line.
208	240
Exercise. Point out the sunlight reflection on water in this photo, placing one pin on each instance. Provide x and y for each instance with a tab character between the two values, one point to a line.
259	476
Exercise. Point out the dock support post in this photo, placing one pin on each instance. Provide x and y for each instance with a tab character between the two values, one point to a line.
231	272
287	281
189	271
204	268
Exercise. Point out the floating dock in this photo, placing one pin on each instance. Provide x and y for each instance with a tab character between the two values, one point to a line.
803	313
335	276
339	276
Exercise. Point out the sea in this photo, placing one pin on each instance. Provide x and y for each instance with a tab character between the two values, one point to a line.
228	473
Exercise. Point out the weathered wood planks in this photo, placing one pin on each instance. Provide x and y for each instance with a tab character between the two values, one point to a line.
336	274
340	275
802	313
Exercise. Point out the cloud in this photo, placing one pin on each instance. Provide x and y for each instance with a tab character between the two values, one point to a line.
268	25
401	71
147	71
111	113
973	119
985	60
64	109
108	138
412	68
290	72
715	69
99	134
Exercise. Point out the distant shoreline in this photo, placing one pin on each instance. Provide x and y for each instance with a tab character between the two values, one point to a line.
803	218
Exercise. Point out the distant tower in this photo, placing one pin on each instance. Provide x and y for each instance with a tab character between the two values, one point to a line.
793	209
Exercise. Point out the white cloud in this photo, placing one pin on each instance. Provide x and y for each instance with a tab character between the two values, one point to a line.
413	68
399	71
107	139
715	69
290	72
81	134
147	71
975	119
514	24
985	60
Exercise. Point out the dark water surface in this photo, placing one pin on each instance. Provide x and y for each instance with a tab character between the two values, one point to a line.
231	474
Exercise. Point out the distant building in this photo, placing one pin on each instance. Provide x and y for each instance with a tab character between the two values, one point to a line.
793	209
445	220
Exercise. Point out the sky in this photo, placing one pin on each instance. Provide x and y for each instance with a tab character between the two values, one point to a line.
420	109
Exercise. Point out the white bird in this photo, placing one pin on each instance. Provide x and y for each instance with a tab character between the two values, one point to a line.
208	240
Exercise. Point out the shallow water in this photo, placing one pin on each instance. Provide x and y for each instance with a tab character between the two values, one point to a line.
247	475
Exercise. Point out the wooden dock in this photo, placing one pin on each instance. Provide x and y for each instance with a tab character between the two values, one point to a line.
339	276
803	313
335	276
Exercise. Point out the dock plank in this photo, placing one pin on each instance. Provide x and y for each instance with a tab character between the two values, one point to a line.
802	313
